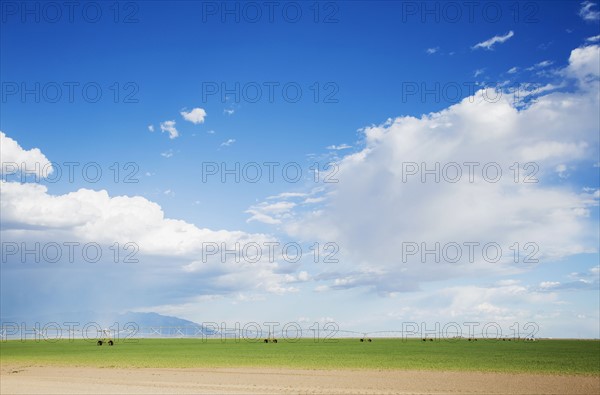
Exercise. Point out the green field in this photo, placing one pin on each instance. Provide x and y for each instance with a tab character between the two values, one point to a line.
545	356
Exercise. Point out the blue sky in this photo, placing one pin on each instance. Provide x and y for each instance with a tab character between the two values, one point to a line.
154	61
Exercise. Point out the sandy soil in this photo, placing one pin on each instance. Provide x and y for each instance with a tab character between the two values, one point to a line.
71	380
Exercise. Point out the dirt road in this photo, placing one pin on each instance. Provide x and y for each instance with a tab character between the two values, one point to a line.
73	380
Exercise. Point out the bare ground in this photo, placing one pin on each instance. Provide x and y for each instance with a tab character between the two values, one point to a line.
15	379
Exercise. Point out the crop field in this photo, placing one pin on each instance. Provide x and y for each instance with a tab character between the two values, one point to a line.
568	357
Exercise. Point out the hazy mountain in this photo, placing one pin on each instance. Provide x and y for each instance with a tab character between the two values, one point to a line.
138	324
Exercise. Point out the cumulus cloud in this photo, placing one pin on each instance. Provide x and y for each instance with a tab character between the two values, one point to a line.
95	216
195	116
381	204
151	128
16	160
431	51
145	258
489	44
173	261
584	63
169	127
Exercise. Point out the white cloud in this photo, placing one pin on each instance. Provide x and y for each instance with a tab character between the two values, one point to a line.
228	111
303	276
584	63
593	39
227	143
16	160
167	154
257	215
544	63
549	284
195	116
508	282
287	195
550	150
151	128
575	281
279	207
589	277
270	213
540	65
503	304
488	44
314	200
513	70
94	215
169	252
339	147
561	170
373	210
210	131
431	51
589	12
169	127
478	72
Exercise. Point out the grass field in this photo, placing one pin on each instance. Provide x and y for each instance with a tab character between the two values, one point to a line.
546	356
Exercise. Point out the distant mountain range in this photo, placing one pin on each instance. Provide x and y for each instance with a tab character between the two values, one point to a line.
154	320
140	324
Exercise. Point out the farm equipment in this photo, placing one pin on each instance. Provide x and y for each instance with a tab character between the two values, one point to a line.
270	339
106	339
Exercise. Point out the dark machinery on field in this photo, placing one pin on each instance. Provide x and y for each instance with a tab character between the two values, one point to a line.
107	338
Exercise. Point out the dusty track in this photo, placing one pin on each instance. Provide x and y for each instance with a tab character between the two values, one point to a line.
72	380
